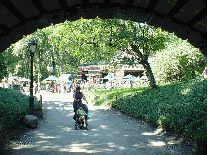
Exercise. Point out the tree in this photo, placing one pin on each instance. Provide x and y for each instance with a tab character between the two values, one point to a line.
10	59
140	40
72	43
61	47
178	61
3	67
98	39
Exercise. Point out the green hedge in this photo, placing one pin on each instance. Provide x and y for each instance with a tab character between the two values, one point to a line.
13	107
178	107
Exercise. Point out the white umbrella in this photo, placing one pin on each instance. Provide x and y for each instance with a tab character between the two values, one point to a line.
51	78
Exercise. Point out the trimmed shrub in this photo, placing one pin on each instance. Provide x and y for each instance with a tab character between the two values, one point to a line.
13	107
179	107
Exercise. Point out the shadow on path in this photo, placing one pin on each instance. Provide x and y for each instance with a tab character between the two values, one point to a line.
110	132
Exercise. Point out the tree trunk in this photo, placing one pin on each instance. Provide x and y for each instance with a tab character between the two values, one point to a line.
39	68
23	71
143	60
150	75
61	66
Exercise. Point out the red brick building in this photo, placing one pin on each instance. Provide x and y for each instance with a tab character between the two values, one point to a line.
93	72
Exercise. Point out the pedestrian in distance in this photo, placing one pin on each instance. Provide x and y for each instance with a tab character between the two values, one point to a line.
70	85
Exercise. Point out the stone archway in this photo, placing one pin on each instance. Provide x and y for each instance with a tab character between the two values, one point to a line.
187	18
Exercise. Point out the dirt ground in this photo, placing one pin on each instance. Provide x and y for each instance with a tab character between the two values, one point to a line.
110	132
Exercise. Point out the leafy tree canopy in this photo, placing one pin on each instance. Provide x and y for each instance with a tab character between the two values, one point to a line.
178	61
64	46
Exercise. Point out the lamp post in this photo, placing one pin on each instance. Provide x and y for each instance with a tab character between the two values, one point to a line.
31	47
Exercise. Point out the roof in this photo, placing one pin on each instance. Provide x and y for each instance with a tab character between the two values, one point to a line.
92	63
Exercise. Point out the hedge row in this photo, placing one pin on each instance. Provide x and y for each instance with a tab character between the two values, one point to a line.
178	107
13	107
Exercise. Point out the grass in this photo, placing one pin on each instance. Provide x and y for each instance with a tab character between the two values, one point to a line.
106	96
179	107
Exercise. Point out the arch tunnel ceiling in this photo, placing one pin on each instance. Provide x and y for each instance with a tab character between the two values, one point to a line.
187	18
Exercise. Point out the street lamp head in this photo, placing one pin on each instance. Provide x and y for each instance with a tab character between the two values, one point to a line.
32	46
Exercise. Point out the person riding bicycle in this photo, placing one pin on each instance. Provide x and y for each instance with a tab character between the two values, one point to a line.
78	95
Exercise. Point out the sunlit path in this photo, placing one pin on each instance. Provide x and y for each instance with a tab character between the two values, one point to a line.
110	133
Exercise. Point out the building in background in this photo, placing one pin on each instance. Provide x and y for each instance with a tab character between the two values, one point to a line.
94	72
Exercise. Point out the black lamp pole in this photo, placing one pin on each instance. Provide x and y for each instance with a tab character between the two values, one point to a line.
31	47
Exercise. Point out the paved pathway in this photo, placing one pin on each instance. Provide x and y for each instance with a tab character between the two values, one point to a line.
110	133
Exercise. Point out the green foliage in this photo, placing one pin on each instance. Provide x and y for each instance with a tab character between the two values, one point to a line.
13	107
180	107
10	59
72	43
107	96
179	61
3	67
146	38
